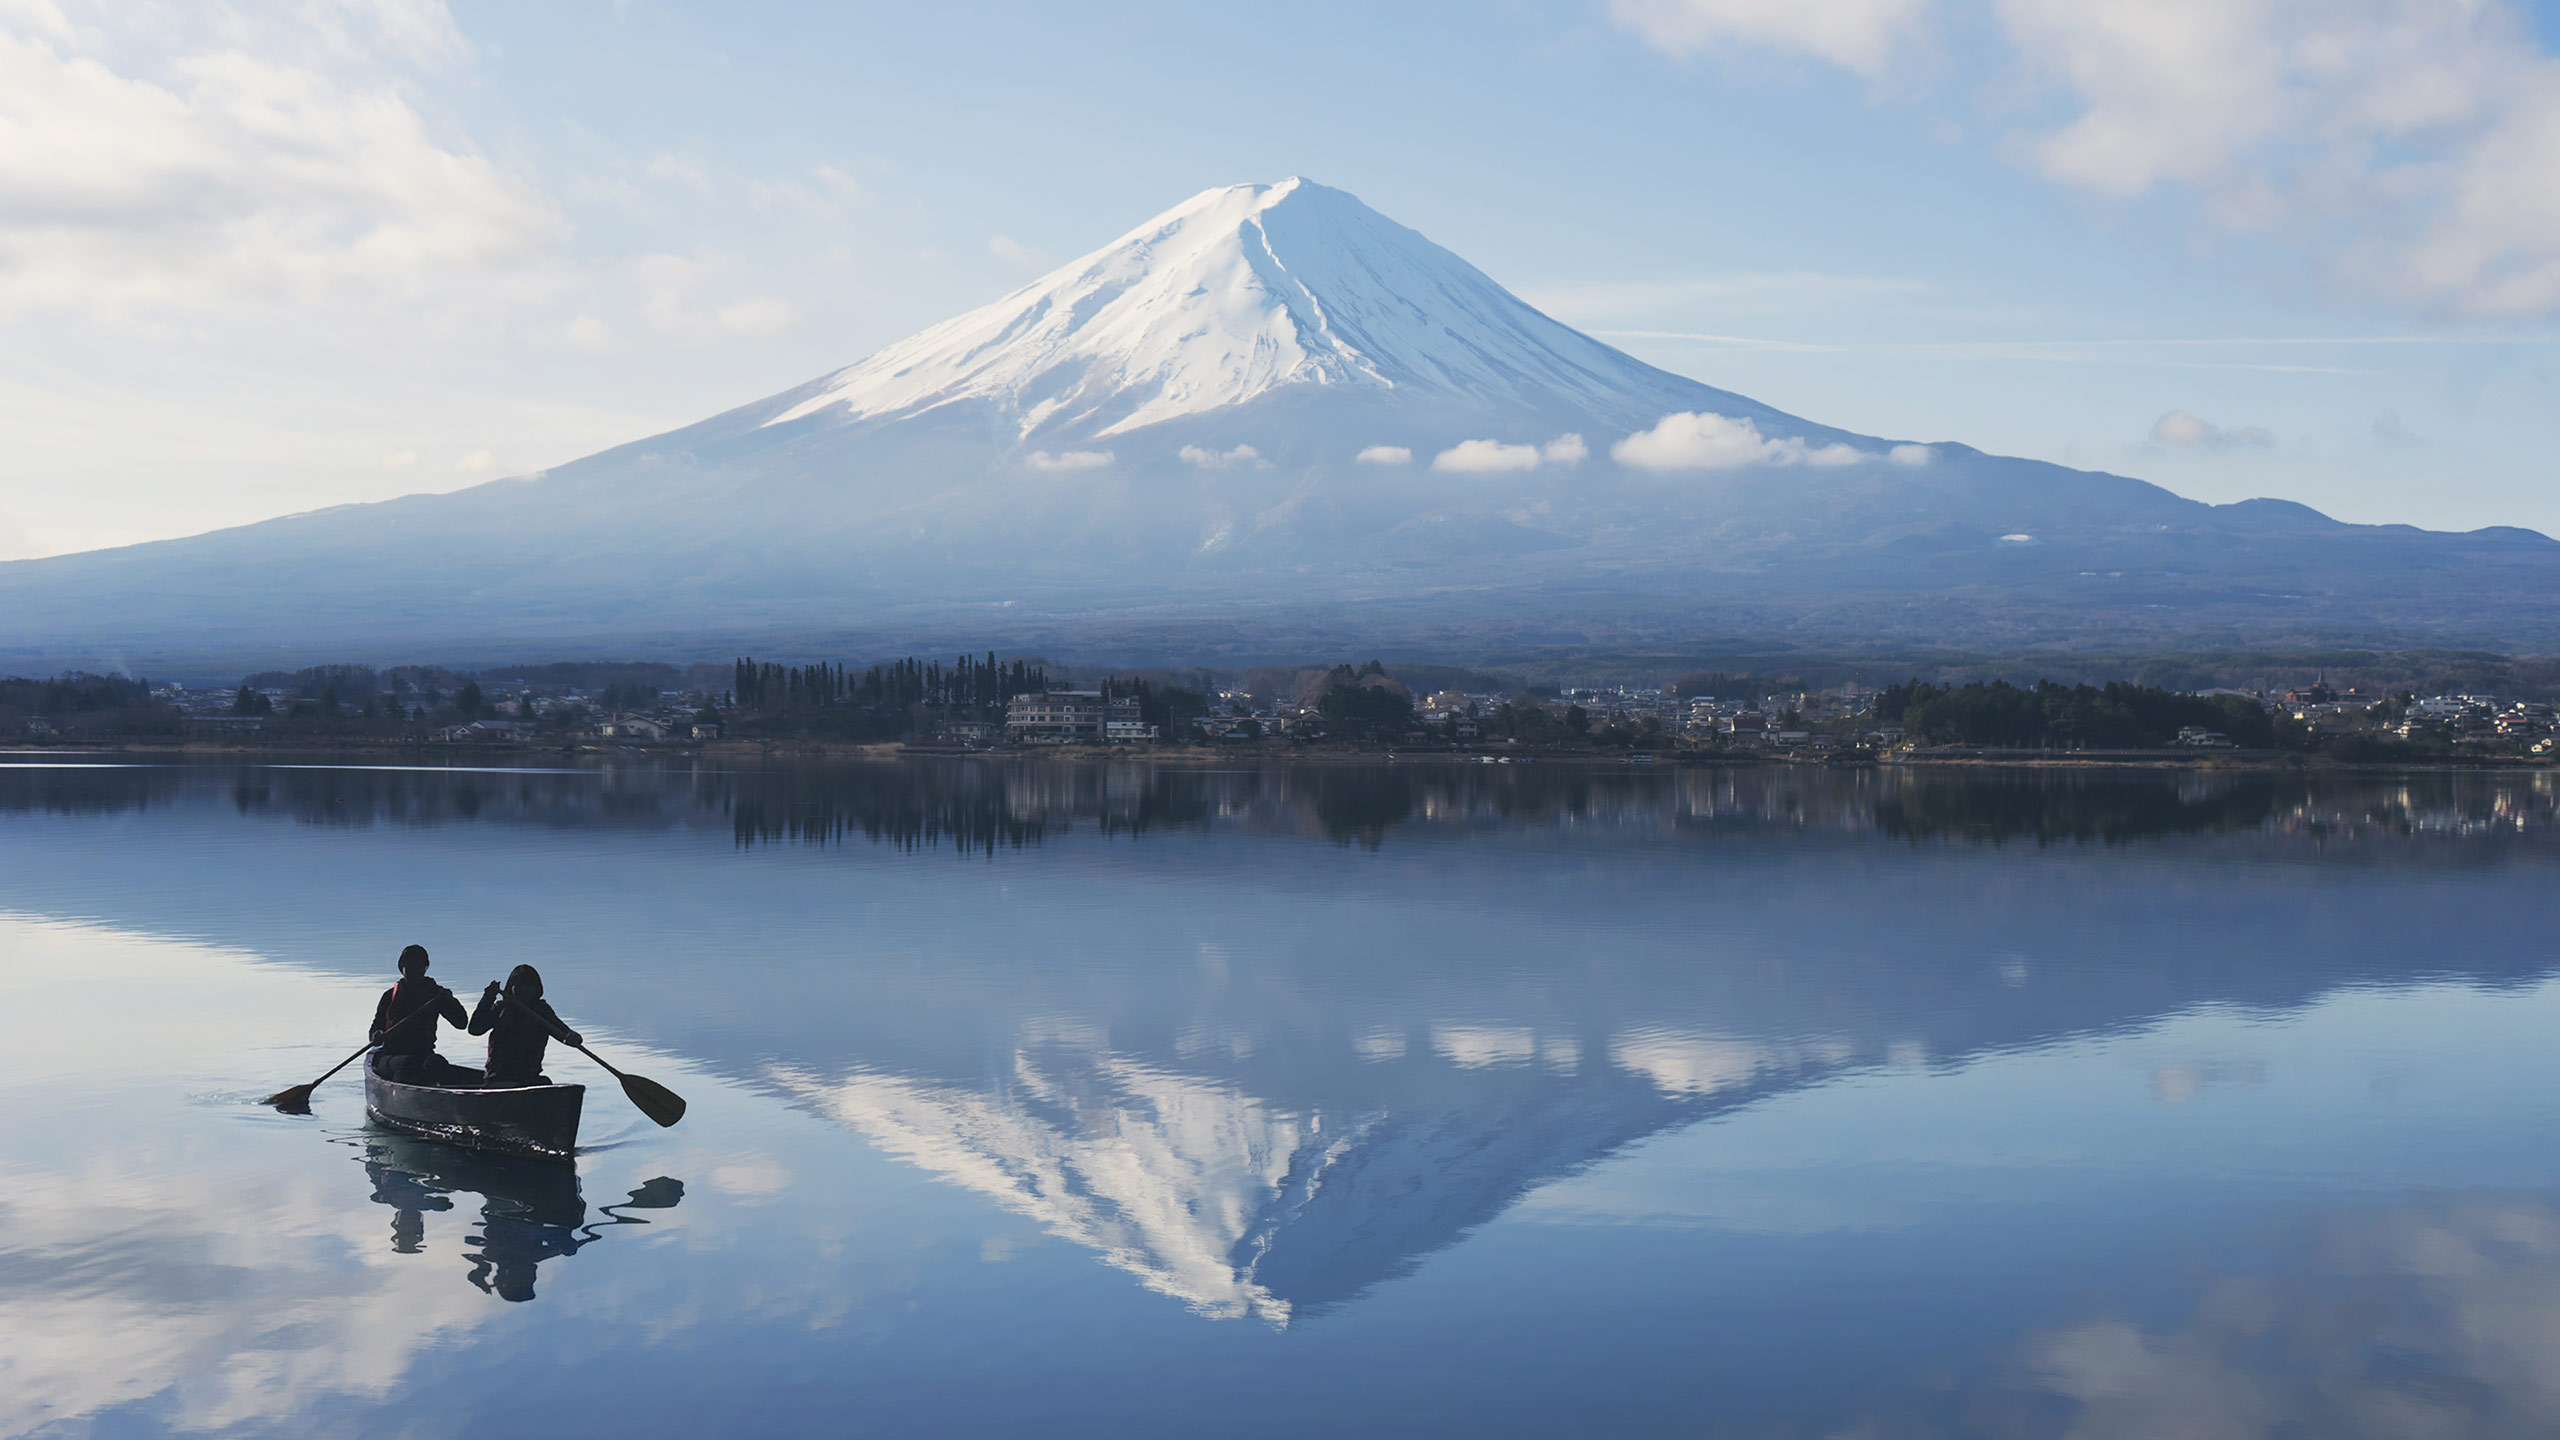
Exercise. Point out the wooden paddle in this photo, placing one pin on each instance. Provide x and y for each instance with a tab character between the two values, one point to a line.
655	1100
298	1097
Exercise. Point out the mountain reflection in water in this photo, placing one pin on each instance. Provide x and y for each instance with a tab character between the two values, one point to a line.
1279	1206
530	1211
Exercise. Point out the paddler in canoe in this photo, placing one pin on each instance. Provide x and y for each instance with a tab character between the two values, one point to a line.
404	1026
520	1025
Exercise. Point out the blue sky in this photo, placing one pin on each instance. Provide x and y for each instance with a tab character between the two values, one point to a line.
260	259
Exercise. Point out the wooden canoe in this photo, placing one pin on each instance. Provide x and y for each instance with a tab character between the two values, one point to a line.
536	1120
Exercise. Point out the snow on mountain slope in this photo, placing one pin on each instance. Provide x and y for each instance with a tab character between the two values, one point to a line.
1226	297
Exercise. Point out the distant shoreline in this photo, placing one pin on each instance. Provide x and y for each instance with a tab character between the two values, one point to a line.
1948	757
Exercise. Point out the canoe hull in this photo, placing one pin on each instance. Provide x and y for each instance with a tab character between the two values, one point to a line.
540	1121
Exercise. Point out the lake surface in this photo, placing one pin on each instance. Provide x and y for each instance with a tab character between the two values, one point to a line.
1078	1099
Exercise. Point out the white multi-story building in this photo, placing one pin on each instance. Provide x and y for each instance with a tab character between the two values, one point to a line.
1069	717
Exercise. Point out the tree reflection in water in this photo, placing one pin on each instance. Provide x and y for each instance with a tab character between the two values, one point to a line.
987	805
530	1211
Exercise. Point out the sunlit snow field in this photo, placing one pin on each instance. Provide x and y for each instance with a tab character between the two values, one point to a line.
1078	1099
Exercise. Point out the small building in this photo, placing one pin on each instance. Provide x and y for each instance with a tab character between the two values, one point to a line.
634	727
1070	717
2198	737
506	731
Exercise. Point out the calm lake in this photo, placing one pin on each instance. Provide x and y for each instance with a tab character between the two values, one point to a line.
1079	1099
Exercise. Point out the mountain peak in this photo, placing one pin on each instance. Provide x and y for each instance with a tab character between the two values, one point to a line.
1235	293
1269	412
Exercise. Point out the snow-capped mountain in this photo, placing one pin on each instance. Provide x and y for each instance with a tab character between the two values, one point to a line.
1266	421
1233	295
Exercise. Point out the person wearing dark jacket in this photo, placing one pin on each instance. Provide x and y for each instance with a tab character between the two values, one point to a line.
404	1026
520	1025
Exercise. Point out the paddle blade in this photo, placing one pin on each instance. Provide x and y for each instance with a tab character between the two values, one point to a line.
655	1100
296	1100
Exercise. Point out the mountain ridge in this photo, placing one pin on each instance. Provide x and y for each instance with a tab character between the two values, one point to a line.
1271	410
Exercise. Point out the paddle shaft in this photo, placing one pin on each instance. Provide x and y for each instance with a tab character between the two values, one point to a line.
590	1054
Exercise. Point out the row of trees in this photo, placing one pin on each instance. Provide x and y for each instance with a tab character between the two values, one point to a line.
78	705
969	684
73	694
419	707
2114	715
884	702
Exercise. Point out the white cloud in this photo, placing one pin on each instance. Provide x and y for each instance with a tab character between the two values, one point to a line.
1912	455
1473	1047
843	186
400	460
760	316
1699	440
1005	247
1385	455
478	462
2417	143
2188	432
2413	146
1243	457
588	332
2465	1293
227	172
1860	35
681	169
828	192
752	1177
1485	457
1068	460
1491	457
672	297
